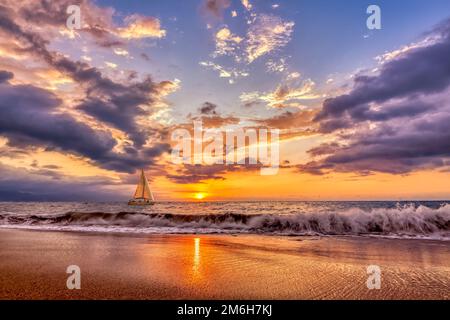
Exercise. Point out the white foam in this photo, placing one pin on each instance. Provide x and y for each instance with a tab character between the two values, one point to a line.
407	221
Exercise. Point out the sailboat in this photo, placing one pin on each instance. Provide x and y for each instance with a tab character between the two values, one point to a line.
143	196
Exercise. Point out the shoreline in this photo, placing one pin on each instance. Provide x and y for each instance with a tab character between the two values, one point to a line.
215	266
131	232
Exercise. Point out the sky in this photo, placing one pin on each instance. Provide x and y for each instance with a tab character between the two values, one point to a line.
363	114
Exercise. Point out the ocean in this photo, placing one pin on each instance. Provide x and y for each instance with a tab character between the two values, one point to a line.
411	219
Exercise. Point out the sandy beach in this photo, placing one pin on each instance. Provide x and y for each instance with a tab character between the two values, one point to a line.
117	266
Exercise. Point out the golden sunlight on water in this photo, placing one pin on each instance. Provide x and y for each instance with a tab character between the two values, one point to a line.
196	263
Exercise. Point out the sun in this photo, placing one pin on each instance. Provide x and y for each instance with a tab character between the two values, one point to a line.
200	195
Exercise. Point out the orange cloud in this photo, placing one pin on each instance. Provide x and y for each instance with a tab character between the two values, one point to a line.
141	27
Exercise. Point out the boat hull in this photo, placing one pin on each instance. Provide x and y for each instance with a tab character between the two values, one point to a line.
140	202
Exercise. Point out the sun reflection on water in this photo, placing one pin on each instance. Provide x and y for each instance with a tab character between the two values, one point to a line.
196	265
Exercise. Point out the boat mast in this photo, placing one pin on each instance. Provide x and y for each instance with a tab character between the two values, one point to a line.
142	182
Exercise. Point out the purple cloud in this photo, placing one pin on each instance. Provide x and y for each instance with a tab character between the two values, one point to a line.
394	122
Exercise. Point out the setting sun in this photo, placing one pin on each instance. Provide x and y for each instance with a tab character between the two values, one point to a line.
199	195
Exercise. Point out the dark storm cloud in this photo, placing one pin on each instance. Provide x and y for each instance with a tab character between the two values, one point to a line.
29	117
121	108
29	112
5	76
424	70
114	103
404	109
423	144
47	185
156	150
408	108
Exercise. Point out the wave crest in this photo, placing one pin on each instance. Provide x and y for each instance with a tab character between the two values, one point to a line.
407	221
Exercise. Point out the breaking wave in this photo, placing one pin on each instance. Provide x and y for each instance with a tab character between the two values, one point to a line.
402	221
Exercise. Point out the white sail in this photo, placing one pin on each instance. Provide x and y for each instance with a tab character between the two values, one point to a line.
143	189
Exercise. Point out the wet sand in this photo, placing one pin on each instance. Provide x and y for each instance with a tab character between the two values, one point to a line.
116	266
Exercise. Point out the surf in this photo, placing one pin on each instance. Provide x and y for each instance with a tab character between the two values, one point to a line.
403	221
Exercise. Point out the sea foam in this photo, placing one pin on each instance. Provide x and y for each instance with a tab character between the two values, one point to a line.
402	221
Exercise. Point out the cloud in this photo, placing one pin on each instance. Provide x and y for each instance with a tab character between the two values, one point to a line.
267	34
250	103
121	52
122	109
215	120
285	94
145	56
422	145
189	173
138	26
407	108
51	15
291	124
44	12
388	56
289	120
226	42
29	117
109	103
28	114
110	64
5	76
196	173
394	122
215	8
232	73
288	94
208	108
247	5
98	22
117	104
422	70
210	118
46	185
293	75
276	66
